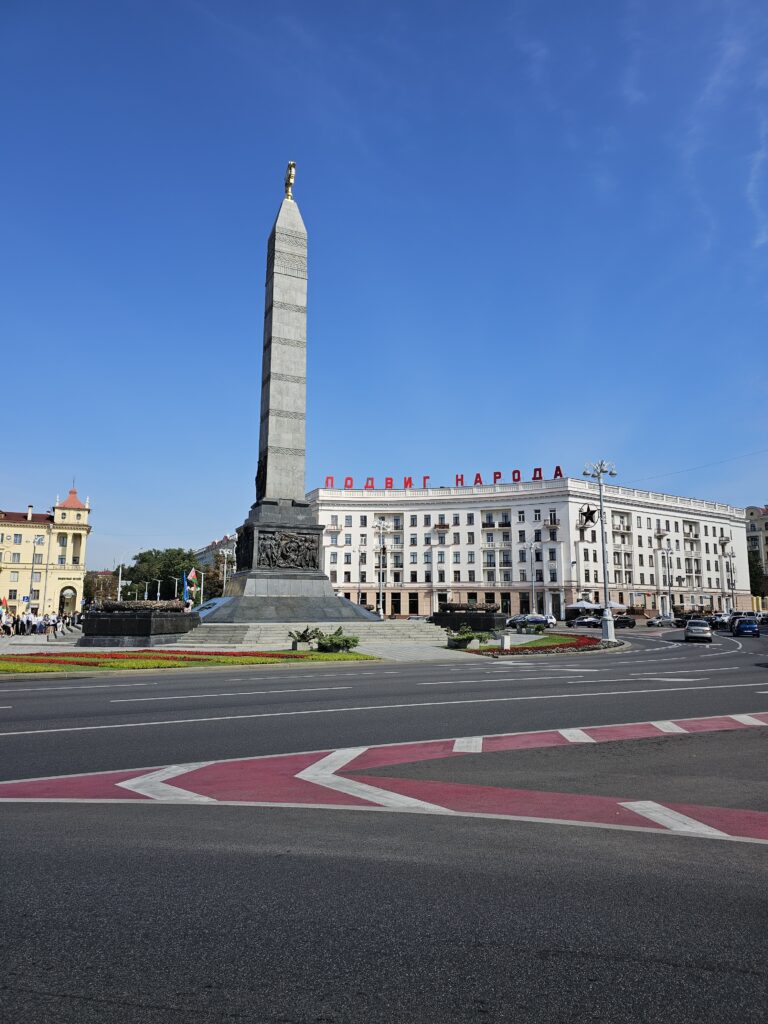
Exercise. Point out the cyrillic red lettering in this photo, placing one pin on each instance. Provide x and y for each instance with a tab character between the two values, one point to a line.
517	476
407	481
370	484
478	479
496	476
558	473
329	481
537	475
389	483
424	481
459	479
348	482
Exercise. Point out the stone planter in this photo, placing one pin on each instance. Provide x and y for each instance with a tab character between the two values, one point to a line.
459	645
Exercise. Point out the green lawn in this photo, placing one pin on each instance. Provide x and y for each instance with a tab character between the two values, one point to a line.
110	661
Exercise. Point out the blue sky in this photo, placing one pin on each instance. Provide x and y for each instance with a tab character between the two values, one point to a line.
538	234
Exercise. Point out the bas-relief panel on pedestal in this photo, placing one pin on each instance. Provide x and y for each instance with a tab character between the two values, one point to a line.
288	551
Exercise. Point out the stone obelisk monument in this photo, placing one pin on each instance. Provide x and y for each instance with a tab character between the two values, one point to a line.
278	576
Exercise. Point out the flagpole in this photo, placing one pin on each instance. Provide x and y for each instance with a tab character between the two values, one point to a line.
202	585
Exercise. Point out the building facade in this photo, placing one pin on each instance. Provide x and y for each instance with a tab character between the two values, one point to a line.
42	557
757	540
531	545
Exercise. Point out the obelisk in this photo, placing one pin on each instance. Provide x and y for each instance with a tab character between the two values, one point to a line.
278	576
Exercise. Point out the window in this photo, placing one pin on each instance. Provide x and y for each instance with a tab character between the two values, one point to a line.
63	515
505	537
334	538
363	522
536	536
537	555
38	539
648	523
15	557
363	539
471	557
471	576
506	577
413	540
37	559
427	576
427	557
537	515
593	538
347	558
553	575
34	595
334	520
470	538
455	519
363	577
441	519
489	538
642	579
347	577
521	516
334	576
334	557
363	598
539	575
521	555
521	536
12	595
553	554
428	539
347	538
363	557
523	576
15	577
441	557
456	557
414	577
347	521
457	538
441	538
441	576
62	540
586	575
639	522
414	557
17	538
639	541
36	577
491	576
397	522
640	560
414	520
470	518
427	520
456	576
553	534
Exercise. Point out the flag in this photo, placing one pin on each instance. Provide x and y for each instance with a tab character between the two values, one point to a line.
192	574
186	588
192	580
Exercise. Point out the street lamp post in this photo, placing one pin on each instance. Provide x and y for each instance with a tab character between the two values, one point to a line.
533	547
176	581
669	577
597	470
227	553
382	529
158	582
732	574
146	591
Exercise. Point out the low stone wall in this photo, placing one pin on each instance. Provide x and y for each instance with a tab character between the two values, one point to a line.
142	627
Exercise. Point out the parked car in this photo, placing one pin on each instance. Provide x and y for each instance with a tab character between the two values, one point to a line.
516	620
698	629
719	622
662	620
744	626
589	621
549	620
624	621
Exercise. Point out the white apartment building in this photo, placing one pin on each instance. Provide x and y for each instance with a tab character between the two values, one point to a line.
530	545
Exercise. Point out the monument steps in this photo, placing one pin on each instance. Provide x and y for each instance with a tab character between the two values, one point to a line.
274	636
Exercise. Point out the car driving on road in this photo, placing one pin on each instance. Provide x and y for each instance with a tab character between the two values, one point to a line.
698	629
662	620
745	626
624	621
589	621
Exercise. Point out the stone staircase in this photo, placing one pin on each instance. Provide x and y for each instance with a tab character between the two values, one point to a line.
273	636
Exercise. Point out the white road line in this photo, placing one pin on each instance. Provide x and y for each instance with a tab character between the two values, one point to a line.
323	773
666	679
580	670
670	819
747	719
240	693
669	727
155	784
485	679
576	736
468	745
6	707
371	707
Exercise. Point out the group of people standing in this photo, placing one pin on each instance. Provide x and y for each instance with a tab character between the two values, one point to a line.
29	623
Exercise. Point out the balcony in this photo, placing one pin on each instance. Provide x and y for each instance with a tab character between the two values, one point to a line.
661	532
441	527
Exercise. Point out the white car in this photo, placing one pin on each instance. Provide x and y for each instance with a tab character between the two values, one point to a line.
550	620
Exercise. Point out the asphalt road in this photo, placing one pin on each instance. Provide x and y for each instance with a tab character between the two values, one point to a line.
210	913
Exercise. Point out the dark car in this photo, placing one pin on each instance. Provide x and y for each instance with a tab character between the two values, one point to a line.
624	621
745	627
517	620
589	621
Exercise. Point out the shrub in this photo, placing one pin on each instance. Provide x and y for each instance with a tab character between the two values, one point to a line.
334	642
304	636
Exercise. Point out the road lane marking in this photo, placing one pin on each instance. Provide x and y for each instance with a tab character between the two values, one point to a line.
323	773
576	736
669	727
672	820
240	693
666	679
468	745
747	719
155	785
372	707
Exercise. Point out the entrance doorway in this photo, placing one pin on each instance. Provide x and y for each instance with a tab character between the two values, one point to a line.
68	601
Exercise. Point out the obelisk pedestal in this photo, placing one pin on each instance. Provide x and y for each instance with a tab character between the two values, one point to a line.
278	576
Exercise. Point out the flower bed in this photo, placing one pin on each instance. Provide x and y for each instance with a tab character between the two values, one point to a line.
56	661
551	645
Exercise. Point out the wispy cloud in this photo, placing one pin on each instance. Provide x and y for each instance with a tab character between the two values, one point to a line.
630	89
756	190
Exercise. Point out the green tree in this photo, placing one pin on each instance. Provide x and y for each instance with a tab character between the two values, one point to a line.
159	564
758	584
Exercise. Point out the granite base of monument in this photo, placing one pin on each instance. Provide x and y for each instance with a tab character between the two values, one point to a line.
130	626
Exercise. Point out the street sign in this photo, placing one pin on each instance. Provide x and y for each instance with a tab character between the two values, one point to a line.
26	598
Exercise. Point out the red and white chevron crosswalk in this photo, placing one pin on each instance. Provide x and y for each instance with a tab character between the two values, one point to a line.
337	779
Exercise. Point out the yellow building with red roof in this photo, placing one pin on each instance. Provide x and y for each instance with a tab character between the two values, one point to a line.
42	557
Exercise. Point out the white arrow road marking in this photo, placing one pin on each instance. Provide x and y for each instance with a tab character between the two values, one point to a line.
669	727
670	819
576	736
155	785
323	773
468	745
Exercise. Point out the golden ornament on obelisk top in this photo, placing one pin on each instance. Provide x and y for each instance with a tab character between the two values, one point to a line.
290	177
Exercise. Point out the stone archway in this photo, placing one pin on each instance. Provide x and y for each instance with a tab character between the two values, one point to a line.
68	601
